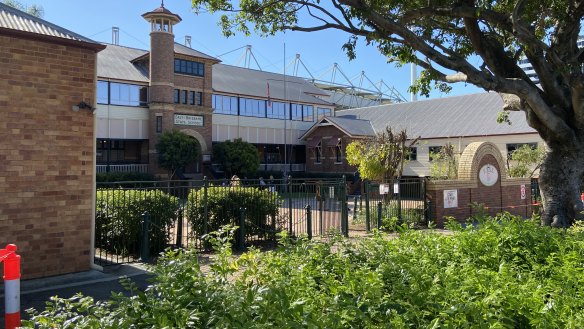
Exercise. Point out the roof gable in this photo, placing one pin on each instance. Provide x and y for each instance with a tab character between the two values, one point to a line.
351	127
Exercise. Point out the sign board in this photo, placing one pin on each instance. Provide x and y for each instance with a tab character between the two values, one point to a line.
450	198
383	188
523	194
395	188
188	120
488	175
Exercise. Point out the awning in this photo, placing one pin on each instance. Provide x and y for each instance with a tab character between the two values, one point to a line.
313	142
334	141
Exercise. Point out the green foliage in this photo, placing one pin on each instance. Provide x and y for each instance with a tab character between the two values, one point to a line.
175	150
525	161
381	157
34	10
505	273
223	205
444	164
119	215
236	157
124	177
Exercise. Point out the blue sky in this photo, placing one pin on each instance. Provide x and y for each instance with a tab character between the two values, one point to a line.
318	50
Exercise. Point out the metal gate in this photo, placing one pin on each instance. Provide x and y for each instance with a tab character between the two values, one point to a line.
135	220
400	201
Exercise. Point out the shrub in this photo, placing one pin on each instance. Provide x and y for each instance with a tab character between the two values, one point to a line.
223	208
119	215
124	177
504	273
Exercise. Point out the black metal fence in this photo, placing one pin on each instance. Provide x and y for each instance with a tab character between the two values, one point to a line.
402	200
137	219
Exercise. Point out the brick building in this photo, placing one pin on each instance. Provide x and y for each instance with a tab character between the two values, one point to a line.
47	143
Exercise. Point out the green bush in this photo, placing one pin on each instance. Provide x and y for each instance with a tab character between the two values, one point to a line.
124	177
504	273
223	208
119	215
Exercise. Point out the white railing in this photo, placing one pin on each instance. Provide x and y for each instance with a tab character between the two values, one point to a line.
281	167
143	168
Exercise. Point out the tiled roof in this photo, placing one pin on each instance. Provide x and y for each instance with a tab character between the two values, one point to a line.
460	116
115	62
243	81
14	19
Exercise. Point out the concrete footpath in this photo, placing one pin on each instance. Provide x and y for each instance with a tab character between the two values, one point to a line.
99	285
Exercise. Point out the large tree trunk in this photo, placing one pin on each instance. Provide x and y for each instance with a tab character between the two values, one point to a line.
559	181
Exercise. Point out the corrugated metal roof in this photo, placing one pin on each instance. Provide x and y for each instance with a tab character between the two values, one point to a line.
242	81
184	50
114	62
353	126
14	19
468	115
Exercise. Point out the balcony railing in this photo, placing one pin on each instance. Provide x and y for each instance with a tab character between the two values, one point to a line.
142	168
281	167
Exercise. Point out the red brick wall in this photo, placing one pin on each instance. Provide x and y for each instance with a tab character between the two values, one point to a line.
46	154
328	159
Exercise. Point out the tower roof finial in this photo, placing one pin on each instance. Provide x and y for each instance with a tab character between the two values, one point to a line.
162	3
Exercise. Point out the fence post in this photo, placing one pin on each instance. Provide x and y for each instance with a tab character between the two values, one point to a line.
206	205
344	207
379	212
399	209
367	210
289	187
145	248
241	230
309	221
11	286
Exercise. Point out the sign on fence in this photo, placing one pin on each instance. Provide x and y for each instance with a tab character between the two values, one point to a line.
450	198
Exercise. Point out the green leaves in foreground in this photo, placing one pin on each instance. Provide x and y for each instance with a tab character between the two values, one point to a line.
509	273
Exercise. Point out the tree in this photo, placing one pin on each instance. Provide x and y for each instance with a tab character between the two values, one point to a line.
526	160
444	164
34	10
446	38
381	157
237	157
176	150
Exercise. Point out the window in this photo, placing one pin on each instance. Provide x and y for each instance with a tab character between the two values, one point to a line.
252	107
318	152
512	147
199	98
177	96
184	96
296	112
159	124
307	113
183	66
433	150
323	112
411	153
277	110
224	104
121	94
192	97
339	152
102	92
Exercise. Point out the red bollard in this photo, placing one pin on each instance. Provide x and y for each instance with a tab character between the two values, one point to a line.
11	286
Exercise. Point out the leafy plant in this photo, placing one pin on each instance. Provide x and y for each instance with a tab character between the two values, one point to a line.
497	274
444	164
525	161
236	157
176	150
119	216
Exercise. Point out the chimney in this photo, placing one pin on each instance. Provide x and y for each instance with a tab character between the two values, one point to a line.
115	35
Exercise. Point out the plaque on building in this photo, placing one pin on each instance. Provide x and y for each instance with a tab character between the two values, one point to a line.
188	120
